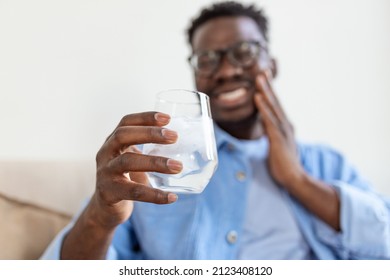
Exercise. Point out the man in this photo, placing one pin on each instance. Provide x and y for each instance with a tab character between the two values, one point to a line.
270	197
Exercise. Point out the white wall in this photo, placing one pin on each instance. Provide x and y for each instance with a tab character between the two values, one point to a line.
69	70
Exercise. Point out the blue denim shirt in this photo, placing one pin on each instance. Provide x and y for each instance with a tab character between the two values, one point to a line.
198	226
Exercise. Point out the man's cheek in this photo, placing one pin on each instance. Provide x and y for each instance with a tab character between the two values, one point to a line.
202	85
198	83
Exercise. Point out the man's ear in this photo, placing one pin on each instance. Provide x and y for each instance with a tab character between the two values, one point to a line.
274	67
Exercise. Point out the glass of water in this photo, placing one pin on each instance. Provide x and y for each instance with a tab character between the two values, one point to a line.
195	147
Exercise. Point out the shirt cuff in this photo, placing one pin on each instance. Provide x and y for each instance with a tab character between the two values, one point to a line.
112	254
365	225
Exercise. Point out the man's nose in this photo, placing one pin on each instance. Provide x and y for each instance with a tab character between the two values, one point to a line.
227	69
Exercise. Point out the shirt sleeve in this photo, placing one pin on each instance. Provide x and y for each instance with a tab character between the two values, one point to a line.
365	225
53	251
364	214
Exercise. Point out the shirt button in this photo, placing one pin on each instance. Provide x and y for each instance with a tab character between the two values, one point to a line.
231	237
240	176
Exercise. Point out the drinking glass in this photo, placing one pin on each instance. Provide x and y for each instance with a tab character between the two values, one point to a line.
195	147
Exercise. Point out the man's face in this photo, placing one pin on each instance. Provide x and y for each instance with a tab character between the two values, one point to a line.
230	87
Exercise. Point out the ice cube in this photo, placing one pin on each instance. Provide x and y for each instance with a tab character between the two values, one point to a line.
189	148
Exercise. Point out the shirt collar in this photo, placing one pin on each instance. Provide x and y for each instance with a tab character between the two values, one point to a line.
223	139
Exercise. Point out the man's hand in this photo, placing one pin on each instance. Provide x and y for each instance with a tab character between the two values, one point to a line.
283	159
120	177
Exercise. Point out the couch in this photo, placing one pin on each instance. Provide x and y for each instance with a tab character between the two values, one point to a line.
37	199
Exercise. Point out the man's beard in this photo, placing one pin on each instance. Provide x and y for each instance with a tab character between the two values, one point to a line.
248	121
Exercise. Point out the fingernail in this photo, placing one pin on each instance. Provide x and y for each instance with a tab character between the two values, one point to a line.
162	118
172	197
174	165
169	134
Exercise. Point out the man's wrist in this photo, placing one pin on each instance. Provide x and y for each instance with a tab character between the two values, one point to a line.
298	181
98	218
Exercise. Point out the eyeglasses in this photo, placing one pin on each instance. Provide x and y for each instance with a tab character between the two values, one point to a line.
242	54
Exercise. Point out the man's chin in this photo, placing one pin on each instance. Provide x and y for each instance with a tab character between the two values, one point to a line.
237	120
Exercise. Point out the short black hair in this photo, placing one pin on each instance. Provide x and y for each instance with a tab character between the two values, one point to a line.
229	8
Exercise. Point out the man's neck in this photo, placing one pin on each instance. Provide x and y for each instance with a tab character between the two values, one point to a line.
248	129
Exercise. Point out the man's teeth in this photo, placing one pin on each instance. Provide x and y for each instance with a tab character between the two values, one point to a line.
231	95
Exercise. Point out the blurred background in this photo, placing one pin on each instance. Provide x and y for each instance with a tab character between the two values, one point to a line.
69	70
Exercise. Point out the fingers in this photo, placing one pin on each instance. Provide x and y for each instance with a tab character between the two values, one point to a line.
121	166
126	136
139	177
136	129
133	162
271	124
134	191
139	192
273	116
143	119
264	86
